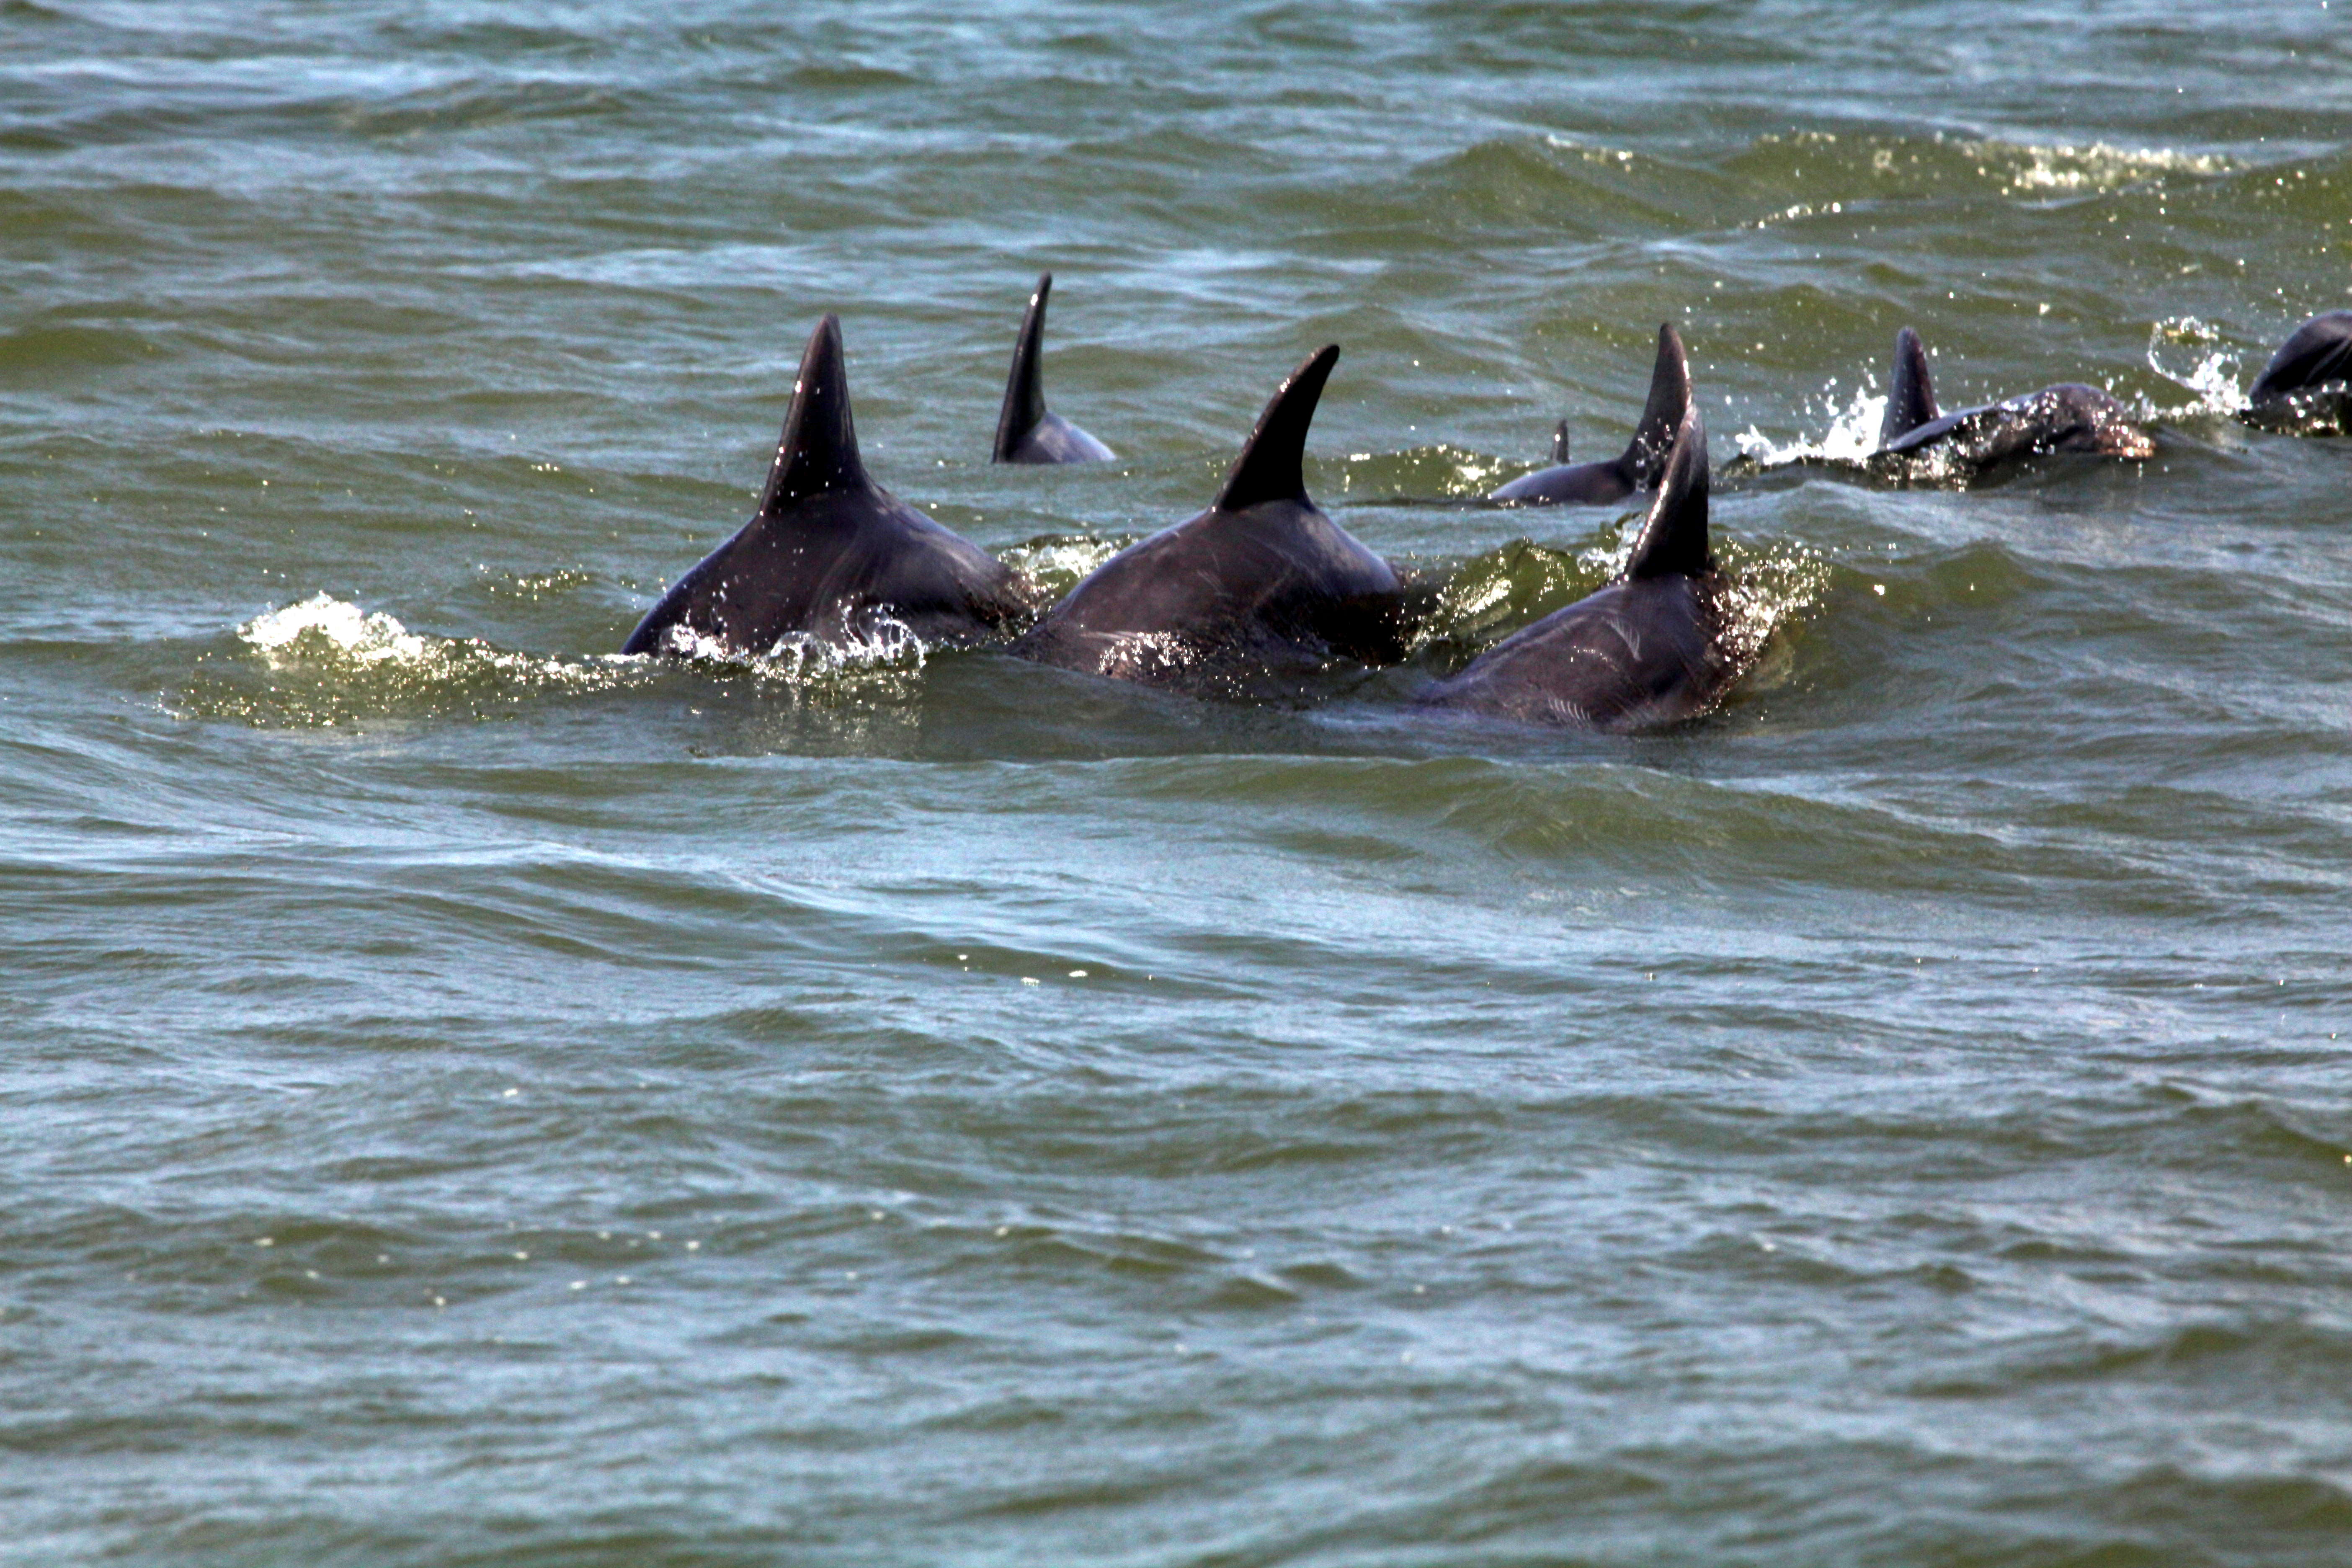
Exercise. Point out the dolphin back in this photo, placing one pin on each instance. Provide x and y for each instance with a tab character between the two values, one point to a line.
830	554
1247	597
2315	354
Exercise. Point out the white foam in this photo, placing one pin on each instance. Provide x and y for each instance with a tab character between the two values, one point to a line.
881	644
340	626
1850	434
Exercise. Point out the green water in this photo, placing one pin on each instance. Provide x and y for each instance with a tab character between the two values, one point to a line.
471	1100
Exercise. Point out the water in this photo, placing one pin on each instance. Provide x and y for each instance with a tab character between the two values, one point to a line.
472	1101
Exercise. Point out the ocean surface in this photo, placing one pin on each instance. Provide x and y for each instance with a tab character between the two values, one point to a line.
468	1098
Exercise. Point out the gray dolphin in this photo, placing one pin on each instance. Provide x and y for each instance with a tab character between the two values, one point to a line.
2306	389
1247	597
1637	468
831	554
1647	649
2069	417
1025	431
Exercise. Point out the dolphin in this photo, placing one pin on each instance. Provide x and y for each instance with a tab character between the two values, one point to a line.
1635	468
1648	649
2307	385
1026	432
830	554
1254	594
2069	417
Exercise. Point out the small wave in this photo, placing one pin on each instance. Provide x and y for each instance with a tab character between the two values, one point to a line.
2212	380
325	662
1440	470
2030	168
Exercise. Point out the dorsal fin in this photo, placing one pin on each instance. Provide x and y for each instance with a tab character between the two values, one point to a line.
1662	415
1910	391
1272	465
1024	389
1674	537
819	449
1560	443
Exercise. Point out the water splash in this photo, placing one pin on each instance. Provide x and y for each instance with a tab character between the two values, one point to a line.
2211	379
1849	435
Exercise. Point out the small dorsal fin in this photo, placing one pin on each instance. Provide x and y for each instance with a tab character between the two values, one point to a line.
1674	537
1272	465
1662	417
1560	443
1024	389
819	449
1910	391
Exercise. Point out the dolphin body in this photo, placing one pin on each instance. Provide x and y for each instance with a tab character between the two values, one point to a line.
1648	649
1025	431
830	554
1248	598
2306	389
2069	417
1637	468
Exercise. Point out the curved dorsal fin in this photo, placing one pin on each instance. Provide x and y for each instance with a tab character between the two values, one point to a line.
1271	467
819	449
1910	392
1674	537
1560	443
1662	415
1024	389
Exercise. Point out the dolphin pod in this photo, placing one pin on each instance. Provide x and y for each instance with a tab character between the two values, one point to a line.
1258	593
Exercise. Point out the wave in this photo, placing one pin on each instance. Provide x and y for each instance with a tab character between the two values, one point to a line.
325	662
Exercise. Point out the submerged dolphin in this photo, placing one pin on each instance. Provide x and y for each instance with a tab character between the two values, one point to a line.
2307	385
1647	649
1025	431
1635	468
831	554
1256	592
2069	417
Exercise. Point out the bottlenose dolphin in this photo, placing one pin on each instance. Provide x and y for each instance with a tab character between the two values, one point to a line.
1635	468
1247	597
1647	649
830	554
2069	417
1026	432
2307	385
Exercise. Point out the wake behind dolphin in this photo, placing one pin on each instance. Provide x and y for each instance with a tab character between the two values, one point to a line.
830	554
